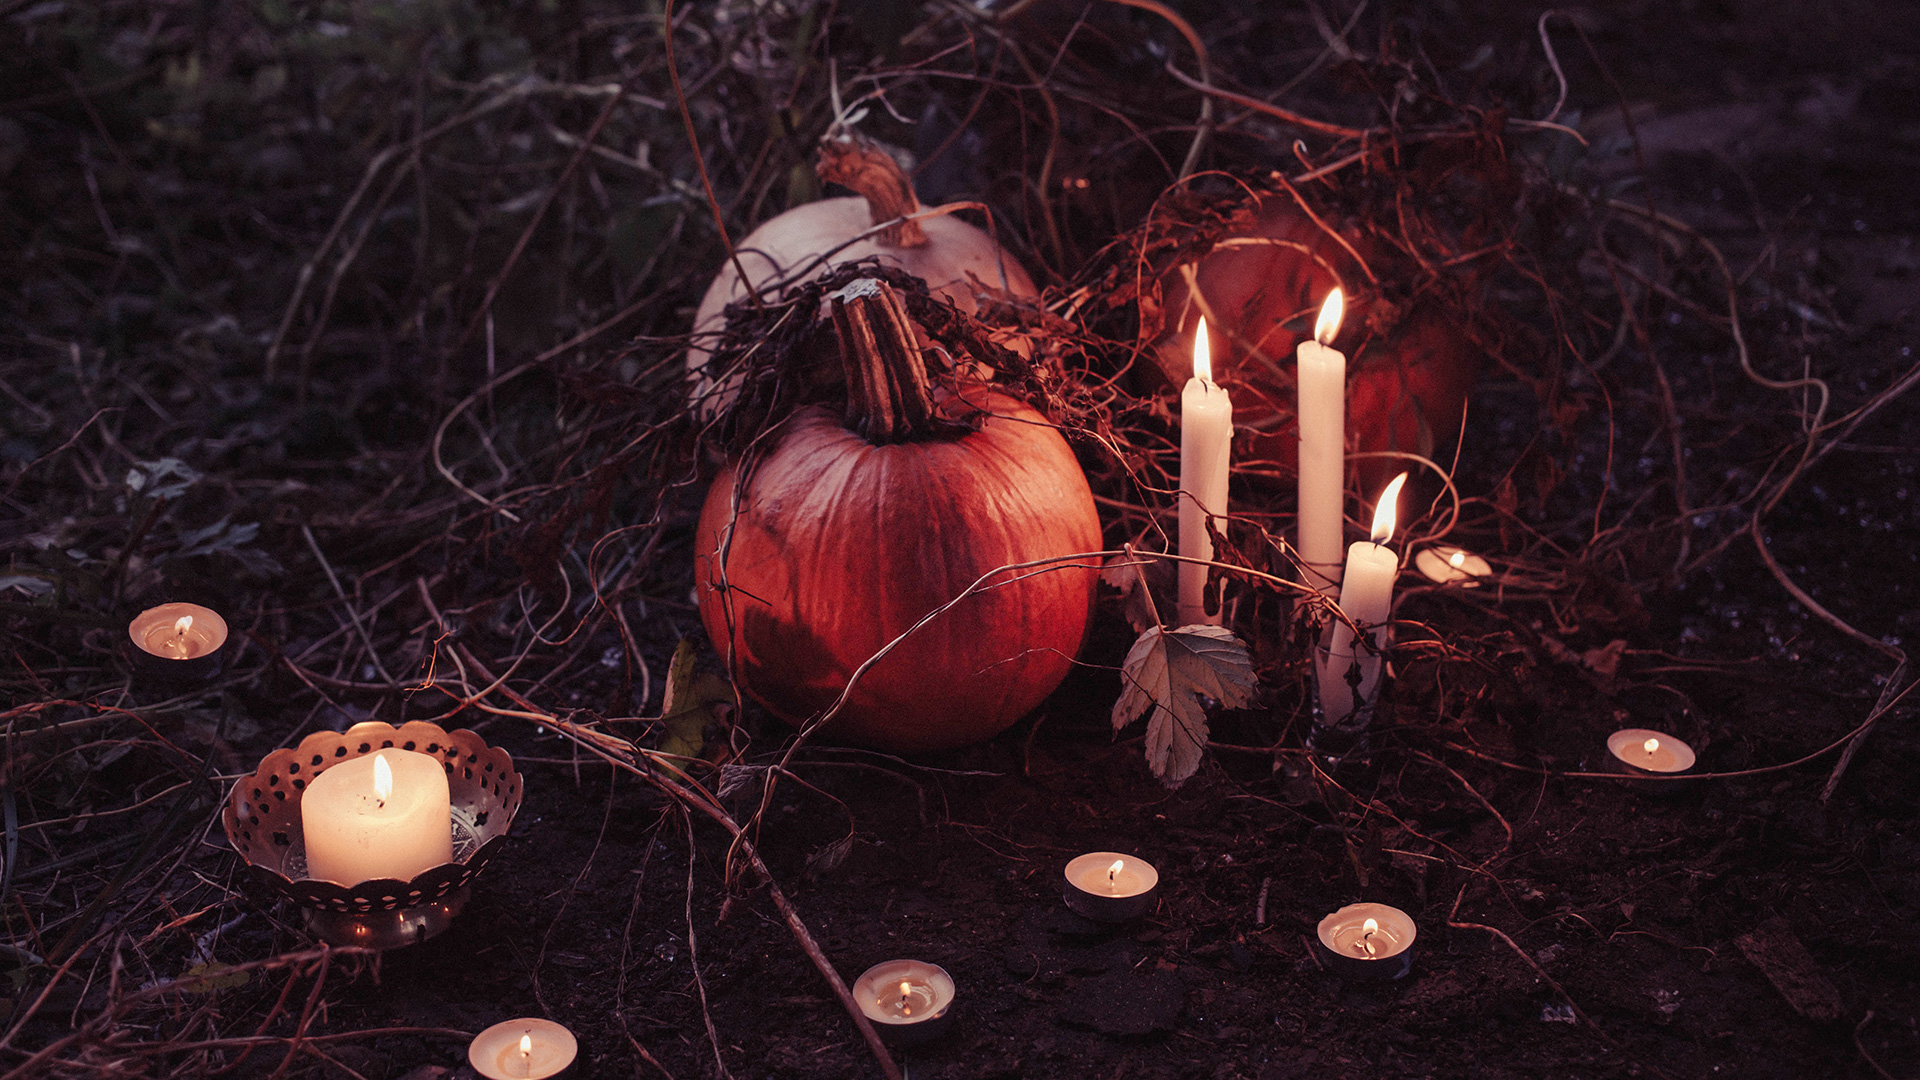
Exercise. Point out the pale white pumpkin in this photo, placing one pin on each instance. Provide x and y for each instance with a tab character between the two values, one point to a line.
952	256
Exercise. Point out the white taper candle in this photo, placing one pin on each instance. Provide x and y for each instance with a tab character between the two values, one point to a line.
1321	412
1206	438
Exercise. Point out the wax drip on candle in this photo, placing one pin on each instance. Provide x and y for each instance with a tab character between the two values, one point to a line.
1328	324
383	784
1367	930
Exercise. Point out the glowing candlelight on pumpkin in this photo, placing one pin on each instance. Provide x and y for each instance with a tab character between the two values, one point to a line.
1320	410
1366	595
387	815
1206	437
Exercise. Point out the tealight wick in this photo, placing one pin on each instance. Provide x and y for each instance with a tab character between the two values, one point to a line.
1457	559
526	1052
183	624
383	787
1650	746
1368	929
906	997
1118	865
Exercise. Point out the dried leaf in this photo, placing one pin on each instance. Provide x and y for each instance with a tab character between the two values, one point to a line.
828	859
1168	671
1123	572
688	704
213	975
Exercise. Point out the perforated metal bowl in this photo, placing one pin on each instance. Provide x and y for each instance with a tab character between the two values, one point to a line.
262	819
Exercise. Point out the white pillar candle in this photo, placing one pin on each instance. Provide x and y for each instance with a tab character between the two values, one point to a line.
385	815
1206	436
1321	412
1366	595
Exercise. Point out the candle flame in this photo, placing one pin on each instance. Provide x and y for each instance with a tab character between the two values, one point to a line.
1650	745
1383	515
1118	865
1202	355
906	995
183	624
1371	926
1457	559
1328	325
382	778
526	1043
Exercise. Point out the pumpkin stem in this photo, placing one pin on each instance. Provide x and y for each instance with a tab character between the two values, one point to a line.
888	400
860	164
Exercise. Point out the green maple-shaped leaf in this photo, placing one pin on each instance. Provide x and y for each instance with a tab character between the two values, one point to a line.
1168	670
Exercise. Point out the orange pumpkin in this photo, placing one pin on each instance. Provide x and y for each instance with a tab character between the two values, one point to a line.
1409	366
836	541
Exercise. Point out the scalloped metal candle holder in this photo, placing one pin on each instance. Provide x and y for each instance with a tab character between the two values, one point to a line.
262	819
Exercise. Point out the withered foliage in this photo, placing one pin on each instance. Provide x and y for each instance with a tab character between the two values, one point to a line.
366	324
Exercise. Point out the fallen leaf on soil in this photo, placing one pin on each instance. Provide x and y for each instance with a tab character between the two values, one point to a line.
686	708
1168	670
1785	962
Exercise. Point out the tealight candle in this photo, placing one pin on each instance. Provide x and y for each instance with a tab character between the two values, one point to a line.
1320	411
1106	886
1206	438
1451	566
1366	595
178	639
1644	751
1368	941
525	1049
385	815
908	1001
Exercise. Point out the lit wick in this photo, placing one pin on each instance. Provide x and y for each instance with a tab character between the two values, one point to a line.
1650	746
1113	884
1457	559
383	787
526	1046
1368	929
906	997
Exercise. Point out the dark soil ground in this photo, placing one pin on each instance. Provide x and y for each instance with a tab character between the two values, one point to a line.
1740	925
